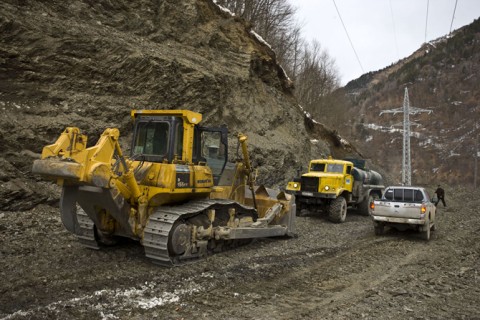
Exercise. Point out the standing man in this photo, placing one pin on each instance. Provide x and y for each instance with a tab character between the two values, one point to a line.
440	196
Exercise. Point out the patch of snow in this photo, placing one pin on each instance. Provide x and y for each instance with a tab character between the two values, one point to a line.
425	142
369	138
344	142
453	154
456	103
150	303
223	8
259	38
313	141
108	316
207	275
144	297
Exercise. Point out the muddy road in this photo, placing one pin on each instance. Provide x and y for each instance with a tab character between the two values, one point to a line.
330	271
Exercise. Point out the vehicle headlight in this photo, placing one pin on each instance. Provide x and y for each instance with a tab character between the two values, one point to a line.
295	185
327	188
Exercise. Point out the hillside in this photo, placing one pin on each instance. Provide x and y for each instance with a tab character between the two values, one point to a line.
442	78
88	63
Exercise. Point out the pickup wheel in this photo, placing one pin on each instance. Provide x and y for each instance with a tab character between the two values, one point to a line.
379	229
337	211
426	231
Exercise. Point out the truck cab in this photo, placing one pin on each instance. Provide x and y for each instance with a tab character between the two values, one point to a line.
326	178
332	185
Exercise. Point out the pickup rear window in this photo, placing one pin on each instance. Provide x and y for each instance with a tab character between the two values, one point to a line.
404	195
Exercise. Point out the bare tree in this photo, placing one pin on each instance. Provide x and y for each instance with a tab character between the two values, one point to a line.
308	65
317	77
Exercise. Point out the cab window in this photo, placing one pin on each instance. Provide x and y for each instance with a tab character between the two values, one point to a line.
408	195
335	168
418	196
152	139
389	194
318	167
213	151
178	140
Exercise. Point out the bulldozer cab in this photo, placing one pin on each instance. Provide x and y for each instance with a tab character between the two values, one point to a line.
166	136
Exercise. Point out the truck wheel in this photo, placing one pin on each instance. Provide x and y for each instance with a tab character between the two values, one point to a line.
364	206
426	231
379	229
337	211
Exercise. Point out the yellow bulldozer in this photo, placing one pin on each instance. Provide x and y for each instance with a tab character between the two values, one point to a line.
176	193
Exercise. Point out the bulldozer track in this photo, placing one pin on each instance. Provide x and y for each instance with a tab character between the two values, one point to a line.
157	232
86	234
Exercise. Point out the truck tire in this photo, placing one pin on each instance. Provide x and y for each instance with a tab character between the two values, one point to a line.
426	232
364	206
337	211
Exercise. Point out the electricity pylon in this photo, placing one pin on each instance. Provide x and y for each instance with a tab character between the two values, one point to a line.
406	158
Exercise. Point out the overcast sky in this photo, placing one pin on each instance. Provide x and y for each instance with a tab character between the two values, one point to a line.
382	31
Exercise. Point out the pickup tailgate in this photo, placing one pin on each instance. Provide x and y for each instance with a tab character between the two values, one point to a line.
398	209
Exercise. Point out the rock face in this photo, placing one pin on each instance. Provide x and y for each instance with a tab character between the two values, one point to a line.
88	63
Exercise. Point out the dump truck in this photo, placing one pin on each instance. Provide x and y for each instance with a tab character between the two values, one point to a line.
333	185
176	192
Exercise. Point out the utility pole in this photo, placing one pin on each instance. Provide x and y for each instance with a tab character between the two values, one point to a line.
406	157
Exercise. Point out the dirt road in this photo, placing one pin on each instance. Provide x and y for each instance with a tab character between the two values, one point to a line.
330	271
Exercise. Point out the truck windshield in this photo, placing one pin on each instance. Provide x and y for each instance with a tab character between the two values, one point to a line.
318	167
335	168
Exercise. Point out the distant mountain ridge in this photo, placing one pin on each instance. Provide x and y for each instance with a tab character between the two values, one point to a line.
442	77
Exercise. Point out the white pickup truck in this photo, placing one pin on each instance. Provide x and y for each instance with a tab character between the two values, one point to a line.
404	207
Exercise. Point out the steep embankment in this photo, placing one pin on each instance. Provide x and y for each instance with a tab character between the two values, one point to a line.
442	79
87	63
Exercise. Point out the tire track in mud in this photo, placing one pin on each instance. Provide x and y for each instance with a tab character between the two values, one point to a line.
325	281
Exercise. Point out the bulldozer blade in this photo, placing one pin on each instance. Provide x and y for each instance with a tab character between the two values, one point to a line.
57	169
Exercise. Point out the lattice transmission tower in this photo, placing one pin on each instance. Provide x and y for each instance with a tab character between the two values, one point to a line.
406	158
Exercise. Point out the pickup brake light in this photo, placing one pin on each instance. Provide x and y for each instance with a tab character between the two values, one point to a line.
372	205
424	208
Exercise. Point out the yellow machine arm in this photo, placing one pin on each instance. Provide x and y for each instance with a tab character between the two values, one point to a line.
70	162
242	139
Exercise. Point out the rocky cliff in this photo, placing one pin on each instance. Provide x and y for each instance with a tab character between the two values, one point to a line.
87	63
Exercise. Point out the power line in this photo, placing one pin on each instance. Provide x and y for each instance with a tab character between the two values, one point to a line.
351	43
394	30
426	21
453	16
